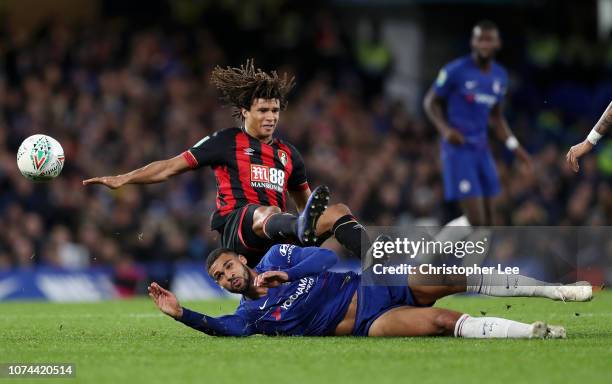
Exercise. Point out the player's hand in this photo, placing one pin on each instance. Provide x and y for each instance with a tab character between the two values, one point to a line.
453	136
576	152
524	157
113	182
271	279
165	300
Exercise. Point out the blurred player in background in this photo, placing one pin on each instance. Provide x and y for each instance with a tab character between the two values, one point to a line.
468	95
291	292
598	131
254	171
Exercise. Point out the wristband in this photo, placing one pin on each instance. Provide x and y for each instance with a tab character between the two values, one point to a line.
512	143
594	136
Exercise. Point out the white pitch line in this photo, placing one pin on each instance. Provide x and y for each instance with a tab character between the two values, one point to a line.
79	315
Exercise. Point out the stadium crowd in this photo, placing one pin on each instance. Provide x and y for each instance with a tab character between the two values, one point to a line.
117	97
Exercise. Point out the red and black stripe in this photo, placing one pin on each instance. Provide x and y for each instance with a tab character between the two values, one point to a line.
233	174
288	168
229	186
243	164
265	196
226	201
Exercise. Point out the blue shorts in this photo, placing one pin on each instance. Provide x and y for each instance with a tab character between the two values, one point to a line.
374	300
468	172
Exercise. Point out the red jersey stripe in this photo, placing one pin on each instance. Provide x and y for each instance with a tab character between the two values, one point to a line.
243	161
224	191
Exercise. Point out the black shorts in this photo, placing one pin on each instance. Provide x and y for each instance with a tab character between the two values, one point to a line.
237	234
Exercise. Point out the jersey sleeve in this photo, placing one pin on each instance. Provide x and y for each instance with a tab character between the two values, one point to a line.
208	151
446	80
298	262
229	325
297	180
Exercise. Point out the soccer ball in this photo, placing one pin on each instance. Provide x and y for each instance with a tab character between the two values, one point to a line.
40	158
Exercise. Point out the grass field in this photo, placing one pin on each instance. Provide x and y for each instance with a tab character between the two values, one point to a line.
130	342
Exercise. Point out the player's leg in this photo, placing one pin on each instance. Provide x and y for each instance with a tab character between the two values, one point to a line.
411	321
461	177
474	210
502	285
427	289
271	223
457	229
489	181
489	209
339	221
238	235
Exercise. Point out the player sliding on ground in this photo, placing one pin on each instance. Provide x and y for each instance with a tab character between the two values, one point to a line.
254	172
291	292
598	131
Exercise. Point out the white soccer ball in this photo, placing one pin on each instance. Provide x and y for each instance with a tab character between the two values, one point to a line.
40	158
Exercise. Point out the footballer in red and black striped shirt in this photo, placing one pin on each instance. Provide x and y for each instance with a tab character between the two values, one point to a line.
247	170
255	172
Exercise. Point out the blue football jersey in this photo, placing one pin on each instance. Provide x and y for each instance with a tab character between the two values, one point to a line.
470	95
311	304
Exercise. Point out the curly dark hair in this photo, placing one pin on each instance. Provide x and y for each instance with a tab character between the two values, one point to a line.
215	254
239	87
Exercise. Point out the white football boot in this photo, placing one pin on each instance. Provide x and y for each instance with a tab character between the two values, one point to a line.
580	291
541	330
555	332
538	330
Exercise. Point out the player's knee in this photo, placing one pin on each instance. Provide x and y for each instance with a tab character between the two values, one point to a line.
445	320
260	215
331	215
378	329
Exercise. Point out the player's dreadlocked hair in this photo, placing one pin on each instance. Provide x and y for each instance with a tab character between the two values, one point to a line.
241	86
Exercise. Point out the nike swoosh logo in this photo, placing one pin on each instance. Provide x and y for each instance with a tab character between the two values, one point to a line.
264	304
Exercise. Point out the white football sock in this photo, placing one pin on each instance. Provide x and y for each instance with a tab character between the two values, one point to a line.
455	230
491	328
509	285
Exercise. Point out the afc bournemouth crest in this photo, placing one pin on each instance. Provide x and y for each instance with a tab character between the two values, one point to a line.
282	155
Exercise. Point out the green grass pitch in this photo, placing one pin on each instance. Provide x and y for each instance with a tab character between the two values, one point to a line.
131	342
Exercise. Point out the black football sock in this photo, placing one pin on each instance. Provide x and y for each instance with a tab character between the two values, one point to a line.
280	226
350	234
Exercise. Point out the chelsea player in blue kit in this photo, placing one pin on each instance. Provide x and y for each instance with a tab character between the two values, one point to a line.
291	292
468	95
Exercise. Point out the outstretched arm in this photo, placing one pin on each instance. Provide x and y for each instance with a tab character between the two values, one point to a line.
605	121
433	106
154	172
166	301
598	131
504	133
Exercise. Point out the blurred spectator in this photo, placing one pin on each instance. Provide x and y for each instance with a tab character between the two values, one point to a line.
118	96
